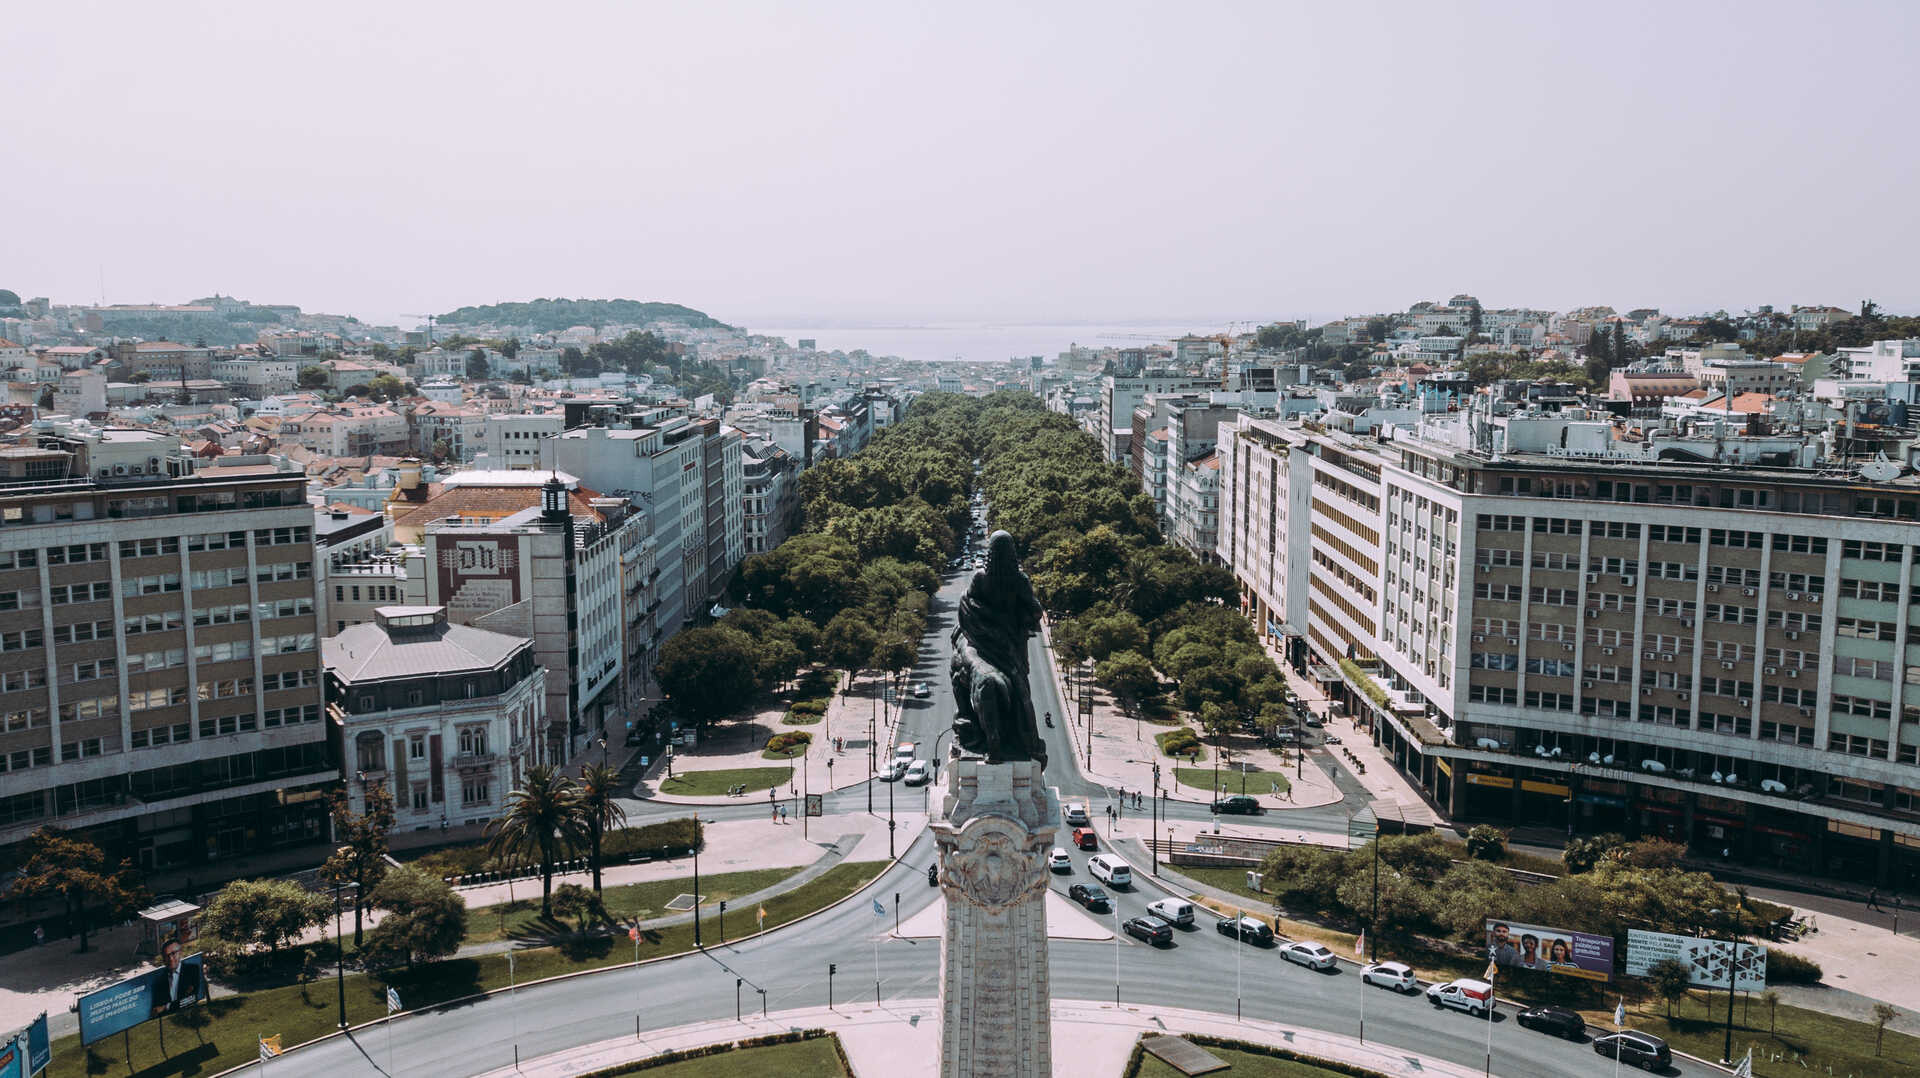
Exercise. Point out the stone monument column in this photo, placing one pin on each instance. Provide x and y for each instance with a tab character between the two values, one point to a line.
995	826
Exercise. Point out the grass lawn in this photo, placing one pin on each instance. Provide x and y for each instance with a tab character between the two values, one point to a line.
1161	740
802	1059
229	1025
796	718
1258	783
769	754
632	901
1241	1065
1826	1044
709	783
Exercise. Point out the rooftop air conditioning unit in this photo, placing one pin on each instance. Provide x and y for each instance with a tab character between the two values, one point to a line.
1725	665
1688	622
1683	696
1513	641
1713	587
1743	703
1792	597
1646	692
1805	713
1569	647
1478	638
1647	655
1748	593
1814	597
1584	685
1793	634
1771	670
1606	651
1793	673
1593	578
1626	582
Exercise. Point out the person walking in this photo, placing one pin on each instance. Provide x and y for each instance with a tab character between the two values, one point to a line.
39	935
1873	898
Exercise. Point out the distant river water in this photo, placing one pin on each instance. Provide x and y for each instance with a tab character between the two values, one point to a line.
986	341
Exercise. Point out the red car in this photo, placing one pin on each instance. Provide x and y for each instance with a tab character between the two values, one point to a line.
1084	838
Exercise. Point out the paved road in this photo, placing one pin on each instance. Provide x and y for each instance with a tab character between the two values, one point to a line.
1201	969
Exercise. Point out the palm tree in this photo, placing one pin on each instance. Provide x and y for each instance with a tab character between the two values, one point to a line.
598	810
543	816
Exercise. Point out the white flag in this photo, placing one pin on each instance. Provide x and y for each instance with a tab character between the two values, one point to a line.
1620	1013
393	1000
1745	1069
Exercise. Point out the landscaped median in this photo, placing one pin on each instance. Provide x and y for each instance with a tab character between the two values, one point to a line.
1786	1040
225	1033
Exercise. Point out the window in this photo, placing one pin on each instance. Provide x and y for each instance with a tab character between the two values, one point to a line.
89	707
22	719
217	541
77	554
74	750
416	747
147	699
149	548
473	741
92	670
476	790
1870	551
420	797
33	677
25	638
156	584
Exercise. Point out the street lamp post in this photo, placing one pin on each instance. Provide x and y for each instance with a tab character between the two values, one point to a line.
1733	978
696	881
1155	825
340	949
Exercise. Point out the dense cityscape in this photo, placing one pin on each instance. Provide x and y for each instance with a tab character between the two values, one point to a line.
878	540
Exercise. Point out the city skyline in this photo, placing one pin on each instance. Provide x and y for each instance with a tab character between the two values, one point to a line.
875	164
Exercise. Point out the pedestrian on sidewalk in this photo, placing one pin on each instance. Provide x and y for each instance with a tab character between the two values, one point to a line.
1873	898
39	935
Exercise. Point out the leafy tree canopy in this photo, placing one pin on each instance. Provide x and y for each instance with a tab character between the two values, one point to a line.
553	315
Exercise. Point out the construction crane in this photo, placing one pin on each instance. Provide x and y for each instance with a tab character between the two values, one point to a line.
429	318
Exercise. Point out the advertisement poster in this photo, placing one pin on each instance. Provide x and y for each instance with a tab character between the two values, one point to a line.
176	983
39	1046
478	576
1555	950
13	1058
1705	959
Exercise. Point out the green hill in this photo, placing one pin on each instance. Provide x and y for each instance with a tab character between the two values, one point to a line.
552	315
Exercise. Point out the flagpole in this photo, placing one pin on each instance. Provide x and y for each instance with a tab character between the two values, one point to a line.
1617	1015
1360	951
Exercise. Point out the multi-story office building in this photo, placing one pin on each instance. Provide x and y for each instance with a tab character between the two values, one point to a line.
771	484
448	716
1121	394
1707	638
725	483
159	664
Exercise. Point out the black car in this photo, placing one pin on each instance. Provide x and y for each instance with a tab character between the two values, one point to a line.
1238	805
1150	929
1246	928
1643	1050
1090	895
1558	1021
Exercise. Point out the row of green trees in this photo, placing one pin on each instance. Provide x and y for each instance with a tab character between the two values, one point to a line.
1120	595
851	591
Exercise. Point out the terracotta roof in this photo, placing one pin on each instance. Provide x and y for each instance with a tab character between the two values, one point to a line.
1698	395
1752	403
490	503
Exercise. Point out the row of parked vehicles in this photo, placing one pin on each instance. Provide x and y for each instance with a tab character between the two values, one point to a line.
1475	997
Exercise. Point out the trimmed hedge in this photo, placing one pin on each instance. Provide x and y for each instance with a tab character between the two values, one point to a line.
1179	742
1784	968
791	739
663	1059
1335	1066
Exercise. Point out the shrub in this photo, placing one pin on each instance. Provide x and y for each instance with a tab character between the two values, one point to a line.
810	707
668	838
1179	742
1785	968
788	741
1486	843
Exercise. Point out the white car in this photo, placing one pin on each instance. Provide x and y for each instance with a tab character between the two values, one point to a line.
1310	955
893	771
1076	814
1058	860
921	690
1395	975
919	773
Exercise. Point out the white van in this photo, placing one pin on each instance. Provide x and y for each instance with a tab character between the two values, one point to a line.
1114	871
904	753
1465	994
1174	911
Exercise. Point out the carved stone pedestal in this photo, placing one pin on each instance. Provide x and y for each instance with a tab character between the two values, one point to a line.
996	824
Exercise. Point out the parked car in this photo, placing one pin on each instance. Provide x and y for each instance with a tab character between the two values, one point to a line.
1465	994
1238	805
1247	928
1310	955
1076	814
1149	930
1643	1050
921	691
1090	895
1106	866
894	771
1174	911
1314	722
1085	839
1395	975
1330	739
919	773
1558	1021
1059	860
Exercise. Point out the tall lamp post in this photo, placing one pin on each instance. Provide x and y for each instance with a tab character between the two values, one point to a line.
696	880
1733	978
1155	850
340	947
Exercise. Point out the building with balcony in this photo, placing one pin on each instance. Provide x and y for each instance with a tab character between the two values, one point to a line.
159	662
1703	637
447	717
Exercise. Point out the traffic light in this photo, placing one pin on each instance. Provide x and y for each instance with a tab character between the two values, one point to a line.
832	968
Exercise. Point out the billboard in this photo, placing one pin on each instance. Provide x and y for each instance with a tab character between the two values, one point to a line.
39	1046
1513	945
1705	959
477	575
177	982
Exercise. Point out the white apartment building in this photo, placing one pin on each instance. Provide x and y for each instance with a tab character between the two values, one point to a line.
511	442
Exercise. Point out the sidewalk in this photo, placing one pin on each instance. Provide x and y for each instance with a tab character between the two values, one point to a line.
1390	789
739	743
901	1039
1125	752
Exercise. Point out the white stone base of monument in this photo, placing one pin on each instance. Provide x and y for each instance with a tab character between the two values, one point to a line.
996	824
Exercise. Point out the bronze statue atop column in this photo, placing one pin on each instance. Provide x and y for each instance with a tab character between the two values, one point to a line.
994	703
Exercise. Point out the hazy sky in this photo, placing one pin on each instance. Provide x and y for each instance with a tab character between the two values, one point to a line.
963	161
